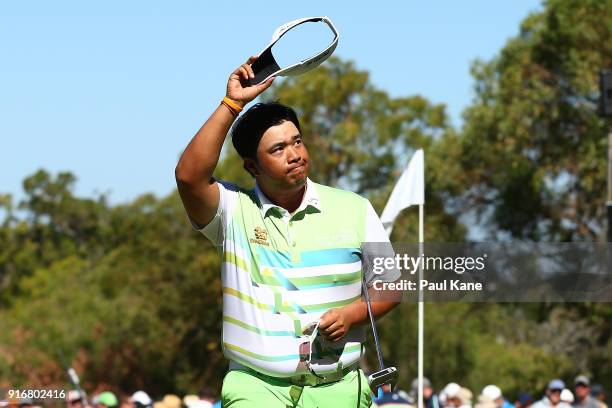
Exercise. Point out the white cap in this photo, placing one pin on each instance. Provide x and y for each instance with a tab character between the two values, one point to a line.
73	395
201	404
142	398
567	396
492	392
451	390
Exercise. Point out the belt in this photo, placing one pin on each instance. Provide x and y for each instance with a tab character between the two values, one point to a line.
301	380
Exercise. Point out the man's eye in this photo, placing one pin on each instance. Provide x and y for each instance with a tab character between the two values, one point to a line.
298	142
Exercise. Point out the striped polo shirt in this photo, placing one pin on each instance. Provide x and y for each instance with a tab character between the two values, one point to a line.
282	271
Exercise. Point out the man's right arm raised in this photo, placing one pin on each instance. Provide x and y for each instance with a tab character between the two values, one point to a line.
194	171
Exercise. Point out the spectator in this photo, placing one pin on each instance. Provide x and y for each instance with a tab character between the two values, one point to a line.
26	403
190	400
74	399
523	400
450	395
485	402
125	401
193	401
391	399
597	392
465	397
582	389
494	393
141	399
567	396
207	394
105	399
553	396
430	399
172	401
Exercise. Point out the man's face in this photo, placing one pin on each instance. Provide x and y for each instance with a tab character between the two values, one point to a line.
582	391
554	396
454	402
427	391
75	404
282	159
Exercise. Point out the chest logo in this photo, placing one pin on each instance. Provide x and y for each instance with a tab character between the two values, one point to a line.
261	237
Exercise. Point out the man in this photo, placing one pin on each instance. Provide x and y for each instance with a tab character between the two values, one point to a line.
567	396
523	400
291	259
598	393
494	393
449	397
105	399
430	399
26	403
208	396
582	393
391	399
74	399
552	399
140	399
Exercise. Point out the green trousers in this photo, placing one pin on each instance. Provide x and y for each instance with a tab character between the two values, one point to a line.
242	389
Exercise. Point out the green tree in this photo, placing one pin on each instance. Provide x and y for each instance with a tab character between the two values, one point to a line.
532	157
533	149
56	225
143	313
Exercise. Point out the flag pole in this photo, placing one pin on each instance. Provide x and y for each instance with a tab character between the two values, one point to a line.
421	317
410	190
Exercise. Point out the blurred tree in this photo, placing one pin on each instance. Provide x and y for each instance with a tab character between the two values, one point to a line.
532	157
533	151
133	302
57	225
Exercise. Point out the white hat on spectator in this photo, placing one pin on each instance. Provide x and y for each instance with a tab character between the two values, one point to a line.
142	398
190	400
73	395
492	392
451	390
567	396
465	396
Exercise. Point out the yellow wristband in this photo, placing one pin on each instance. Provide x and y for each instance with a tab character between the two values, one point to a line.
233	106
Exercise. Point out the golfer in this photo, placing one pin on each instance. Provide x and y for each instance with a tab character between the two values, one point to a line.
291	259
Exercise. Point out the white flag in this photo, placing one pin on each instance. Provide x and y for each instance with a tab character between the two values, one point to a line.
409	190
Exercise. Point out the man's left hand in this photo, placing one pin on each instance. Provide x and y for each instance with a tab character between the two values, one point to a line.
334	324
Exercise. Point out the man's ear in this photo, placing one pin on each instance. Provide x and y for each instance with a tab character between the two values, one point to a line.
250	166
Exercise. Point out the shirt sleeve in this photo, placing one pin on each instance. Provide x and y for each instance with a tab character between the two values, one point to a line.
216	229
375	233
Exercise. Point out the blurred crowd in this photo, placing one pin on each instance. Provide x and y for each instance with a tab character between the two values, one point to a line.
139	399
582	394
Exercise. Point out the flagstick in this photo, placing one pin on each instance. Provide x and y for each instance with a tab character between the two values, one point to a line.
421	311
410	190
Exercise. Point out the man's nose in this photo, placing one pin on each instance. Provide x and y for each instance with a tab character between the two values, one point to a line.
293	154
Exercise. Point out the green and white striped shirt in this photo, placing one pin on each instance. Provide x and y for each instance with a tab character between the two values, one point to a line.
282	271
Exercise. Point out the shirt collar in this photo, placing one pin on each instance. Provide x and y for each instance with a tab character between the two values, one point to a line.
311	198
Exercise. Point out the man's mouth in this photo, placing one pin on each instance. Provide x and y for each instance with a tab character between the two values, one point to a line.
296	168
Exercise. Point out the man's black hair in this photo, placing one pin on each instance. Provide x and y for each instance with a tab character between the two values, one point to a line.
250	127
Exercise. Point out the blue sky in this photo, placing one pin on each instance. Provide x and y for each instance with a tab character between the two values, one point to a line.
113	91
